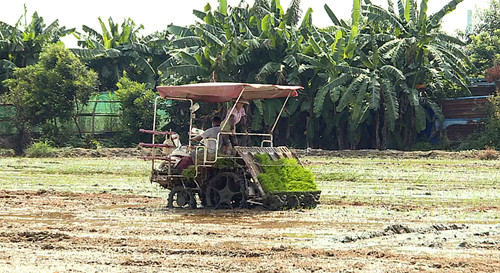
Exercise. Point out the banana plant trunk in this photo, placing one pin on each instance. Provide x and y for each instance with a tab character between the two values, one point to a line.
341	138
308	142
383	132
376	132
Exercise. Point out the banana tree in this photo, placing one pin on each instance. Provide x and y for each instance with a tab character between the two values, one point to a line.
386	56
21	44
326	49
244	44
115	50
429	59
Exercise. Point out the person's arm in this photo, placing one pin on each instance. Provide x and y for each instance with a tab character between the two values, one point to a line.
197	138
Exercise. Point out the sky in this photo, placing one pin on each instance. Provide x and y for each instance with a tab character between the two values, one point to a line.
157	15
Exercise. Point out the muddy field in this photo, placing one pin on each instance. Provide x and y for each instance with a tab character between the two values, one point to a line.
377	215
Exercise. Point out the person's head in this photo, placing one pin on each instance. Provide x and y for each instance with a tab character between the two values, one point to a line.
240	103
216	121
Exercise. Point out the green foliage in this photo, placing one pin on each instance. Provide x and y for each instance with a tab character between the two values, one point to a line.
423	145
119	48
284	175
40	149
136	110
490	137
492	130
190	172
21	44
46	94
360	77
483	49
483	45
389	53
91	142
488	19
7	152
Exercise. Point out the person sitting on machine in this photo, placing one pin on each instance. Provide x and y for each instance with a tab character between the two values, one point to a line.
209	139
210	133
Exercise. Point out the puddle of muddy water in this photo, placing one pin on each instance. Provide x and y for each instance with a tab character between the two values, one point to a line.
121	206
53	218
44	218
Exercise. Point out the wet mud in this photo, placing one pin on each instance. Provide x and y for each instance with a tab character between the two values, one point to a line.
51	231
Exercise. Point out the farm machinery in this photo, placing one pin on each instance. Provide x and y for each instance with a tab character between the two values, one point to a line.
216	179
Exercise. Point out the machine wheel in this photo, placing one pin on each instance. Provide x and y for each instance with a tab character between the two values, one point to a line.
292	202
180	197
274	202
310	200
226	190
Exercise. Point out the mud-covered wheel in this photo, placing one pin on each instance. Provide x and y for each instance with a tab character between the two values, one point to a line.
274	202
310	200
226	190
292	202
180	197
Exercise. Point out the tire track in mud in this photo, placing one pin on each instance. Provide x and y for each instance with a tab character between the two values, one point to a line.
34	236
120	247
402	229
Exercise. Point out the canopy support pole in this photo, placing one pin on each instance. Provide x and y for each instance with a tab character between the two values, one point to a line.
279	115
153	136
226	120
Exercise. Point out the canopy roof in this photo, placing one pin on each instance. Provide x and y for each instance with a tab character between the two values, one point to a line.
224	92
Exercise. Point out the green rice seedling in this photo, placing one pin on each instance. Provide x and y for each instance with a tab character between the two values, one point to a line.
284	175
189	173
225	163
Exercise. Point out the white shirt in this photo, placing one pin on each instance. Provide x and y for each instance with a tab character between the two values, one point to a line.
211	133
237	114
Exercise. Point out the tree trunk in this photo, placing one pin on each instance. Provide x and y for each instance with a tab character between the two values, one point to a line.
75	119
56	127
308	144
383	133
377	129
309	118
341	138
20	139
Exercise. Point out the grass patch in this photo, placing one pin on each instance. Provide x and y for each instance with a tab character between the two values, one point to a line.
339	176
422	182
447	183
40	149
121	176
7	152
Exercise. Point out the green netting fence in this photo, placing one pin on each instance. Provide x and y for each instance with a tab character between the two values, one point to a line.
7	111
99	116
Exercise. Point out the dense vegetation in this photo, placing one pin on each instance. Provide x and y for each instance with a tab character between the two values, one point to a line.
373	81
48	93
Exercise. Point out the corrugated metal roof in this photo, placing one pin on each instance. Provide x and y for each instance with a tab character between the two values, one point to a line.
468	108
